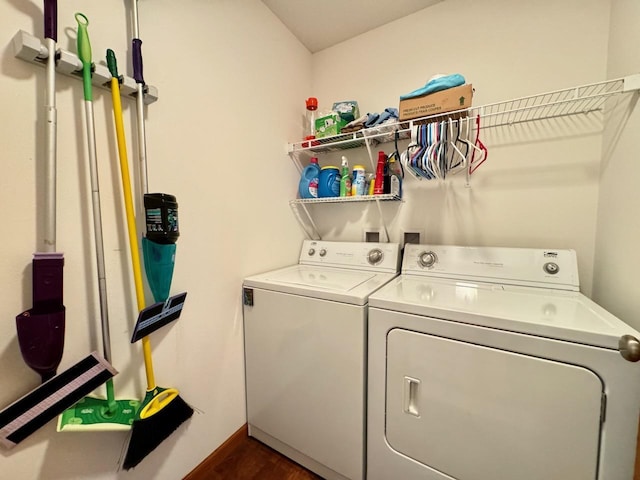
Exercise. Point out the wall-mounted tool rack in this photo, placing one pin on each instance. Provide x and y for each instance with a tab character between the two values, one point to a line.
31	49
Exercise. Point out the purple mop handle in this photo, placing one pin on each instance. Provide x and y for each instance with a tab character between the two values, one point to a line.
137	60
51	19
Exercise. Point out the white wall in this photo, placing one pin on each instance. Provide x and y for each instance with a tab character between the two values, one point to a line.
617	255
231	82
539	187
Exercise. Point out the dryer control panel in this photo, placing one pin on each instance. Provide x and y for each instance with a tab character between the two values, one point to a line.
513	266
379	257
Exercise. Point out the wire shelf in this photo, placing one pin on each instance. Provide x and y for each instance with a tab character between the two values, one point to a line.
585	99
581	100
358	198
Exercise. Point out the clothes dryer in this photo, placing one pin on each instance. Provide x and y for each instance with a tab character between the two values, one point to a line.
305	353
489	364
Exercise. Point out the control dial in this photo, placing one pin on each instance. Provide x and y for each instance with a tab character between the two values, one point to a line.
311	252
375	256
323	252
427	259
551	268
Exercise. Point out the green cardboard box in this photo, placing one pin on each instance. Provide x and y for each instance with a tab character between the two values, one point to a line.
329	125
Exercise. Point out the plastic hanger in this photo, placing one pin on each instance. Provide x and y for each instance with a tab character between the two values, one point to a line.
472	146
458	160
427	165
412	149
478	146
459	140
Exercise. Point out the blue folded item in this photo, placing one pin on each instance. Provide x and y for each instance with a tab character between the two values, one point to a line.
435	85
371	120
386	115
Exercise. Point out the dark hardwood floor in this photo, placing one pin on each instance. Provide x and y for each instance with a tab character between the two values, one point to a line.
244	458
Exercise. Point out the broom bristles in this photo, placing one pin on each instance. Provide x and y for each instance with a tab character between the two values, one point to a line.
148	433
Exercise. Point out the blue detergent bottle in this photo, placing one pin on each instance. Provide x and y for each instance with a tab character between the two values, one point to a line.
308	186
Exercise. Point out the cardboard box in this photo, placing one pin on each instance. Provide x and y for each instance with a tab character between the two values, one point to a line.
348	110
329	125
455	98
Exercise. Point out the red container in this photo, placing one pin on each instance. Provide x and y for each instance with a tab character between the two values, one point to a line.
378	185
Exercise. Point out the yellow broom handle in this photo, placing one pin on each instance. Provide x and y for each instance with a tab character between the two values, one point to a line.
131	224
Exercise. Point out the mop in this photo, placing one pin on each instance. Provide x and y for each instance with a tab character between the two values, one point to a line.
93	413
41	329
162	410
37	340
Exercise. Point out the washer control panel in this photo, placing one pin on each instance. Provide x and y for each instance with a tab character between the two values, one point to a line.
383	257
511	266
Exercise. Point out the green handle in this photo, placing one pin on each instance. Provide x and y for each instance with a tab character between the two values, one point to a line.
112	63
84	54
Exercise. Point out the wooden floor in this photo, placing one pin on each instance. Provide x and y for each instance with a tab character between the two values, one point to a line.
244	458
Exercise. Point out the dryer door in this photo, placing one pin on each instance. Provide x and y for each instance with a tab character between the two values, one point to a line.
479	413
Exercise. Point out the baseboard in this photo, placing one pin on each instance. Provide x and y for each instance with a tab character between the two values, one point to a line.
219	454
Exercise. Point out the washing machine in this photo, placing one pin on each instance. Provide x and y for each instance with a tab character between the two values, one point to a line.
489	364
305	330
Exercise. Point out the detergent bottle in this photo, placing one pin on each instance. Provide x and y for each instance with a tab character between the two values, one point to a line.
308	186
329	185
345	179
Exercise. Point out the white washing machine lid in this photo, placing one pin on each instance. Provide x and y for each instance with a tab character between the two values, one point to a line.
328	283
556	314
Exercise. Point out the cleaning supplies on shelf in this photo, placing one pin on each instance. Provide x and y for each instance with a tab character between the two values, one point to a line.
395	176
358	182
310	118
329	182
308	186
378	188
345	179
371	181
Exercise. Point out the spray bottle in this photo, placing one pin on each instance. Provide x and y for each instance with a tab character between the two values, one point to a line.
345	179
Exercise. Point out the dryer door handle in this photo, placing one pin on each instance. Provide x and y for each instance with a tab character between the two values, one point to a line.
411	392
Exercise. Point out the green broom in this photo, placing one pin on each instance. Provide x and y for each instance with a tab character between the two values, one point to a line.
162	410
93	413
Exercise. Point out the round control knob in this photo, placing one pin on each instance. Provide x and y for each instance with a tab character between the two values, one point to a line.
375	256
629	347
551	268
427	259
311	252
323	252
